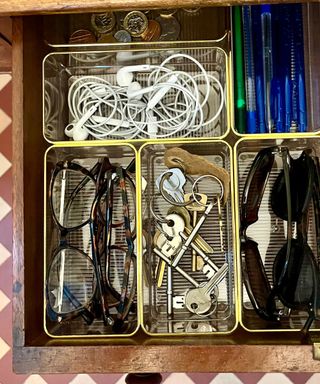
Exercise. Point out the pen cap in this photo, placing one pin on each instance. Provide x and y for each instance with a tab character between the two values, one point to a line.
266	8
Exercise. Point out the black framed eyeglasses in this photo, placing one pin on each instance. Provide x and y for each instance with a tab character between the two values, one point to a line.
76	283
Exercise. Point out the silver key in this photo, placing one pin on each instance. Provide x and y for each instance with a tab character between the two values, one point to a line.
199	300
194	208
193	233
169	247
195	247
208	271
179	301
173	184
174	225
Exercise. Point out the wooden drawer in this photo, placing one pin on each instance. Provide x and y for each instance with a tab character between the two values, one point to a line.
33	350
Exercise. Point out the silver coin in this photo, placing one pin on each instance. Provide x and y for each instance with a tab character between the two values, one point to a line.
191	10
170	28
123	36
167	12
103	22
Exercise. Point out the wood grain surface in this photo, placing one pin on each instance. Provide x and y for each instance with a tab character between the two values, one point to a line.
162	358
18	202
19	7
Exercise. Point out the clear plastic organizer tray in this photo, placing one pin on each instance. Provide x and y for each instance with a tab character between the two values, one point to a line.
310	97
91	95
159	316
88	260
268	230
66	30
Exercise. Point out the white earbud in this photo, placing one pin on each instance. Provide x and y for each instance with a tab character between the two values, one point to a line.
76	129
133	91
125	74
128	56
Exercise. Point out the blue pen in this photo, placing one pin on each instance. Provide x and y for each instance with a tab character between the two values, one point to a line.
249	70
285	63
277	85
267	62
299	69
257	49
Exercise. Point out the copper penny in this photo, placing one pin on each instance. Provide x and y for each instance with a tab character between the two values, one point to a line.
153	32
135	23
82	36
103	22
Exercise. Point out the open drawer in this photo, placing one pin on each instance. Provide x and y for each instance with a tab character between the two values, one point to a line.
34	350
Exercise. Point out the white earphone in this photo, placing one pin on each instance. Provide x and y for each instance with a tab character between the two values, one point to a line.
165	102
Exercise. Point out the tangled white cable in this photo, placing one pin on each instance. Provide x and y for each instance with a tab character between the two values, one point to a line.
171	102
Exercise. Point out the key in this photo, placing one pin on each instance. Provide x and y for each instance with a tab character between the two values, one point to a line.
202	254
177	268
193	233
179	301
194	208
171	229
199	300
208	271
173	184
199	240
174	225
168	248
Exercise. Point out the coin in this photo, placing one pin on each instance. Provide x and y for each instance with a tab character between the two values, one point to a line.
167	12
153	32
191	10
135	23
170	28
82	36
106	38
123	36
103	22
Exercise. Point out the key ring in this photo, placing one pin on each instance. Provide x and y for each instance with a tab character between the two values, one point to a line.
165	194
157	217
195	189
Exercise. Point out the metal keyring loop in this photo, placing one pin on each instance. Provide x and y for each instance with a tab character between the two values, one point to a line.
157	217
165	194
195	192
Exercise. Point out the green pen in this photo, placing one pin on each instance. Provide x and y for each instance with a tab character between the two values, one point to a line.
239	86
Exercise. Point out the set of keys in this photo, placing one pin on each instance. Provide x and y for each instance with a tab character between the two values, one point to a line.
178	232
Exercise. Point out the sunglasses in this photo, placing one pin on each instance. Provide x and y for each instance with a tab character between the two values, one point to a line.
295	271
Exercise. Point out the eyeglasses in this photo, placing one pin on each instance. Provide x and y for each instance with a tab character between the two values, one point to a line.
295	271
76	283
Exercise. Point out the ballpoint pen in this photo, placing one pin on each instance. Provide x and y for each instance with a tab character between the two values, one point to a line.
299	67
257	56
249	69
267	62
239	87
279	57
